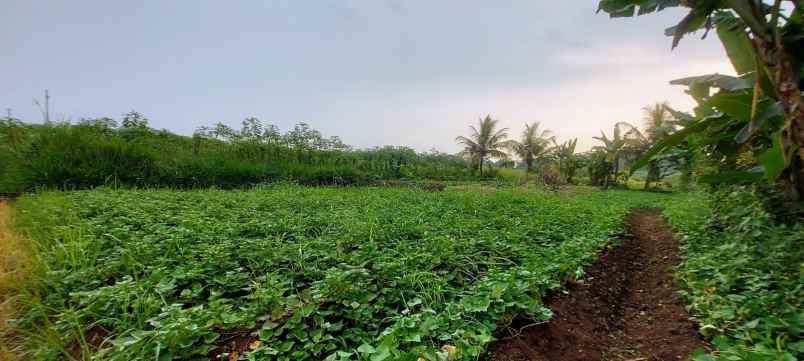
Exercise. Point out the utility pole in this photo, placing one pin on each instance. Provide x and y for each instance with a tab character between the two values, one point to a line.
8	113
47	106
46	109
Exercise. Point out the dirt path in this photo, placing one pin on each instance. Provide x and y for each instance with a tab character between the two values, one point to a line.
628	310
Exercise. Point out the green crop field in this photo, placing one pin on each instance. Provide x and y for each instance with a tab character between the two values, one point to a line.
274	200
313	273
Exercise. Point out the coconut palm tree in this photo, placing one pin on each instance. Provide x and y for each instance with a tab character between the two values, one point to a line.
533	145
659	123
484	142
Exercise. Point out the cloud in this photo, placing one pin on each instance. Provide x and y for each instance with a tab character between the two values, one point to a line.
374	72
574	108
613	55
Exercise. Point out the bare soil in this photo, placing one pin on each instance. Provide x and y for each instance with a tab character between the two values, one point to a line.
235	343
626	309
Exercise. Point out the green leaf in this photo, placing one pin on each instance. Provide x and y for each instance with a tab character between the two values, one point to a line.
694	20
735	105
737	44
721	342
307	309
671	141
746	11
300	334
798	346
626	11
383	352
628	8
366	348
725	82
772	160
316	334
269	325
680	117
758	122
286	346
751	324
477	304
703	358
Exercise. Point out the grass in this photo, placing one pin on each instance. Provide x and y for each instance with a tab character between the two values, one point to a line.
15	260
314	273
515	176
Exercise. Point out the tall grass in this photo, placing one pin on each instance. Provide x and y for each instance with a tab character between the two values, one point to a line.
86	155
15	262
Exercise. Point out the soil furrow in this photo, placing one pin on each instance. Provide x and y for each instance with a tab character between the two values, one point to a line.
626	309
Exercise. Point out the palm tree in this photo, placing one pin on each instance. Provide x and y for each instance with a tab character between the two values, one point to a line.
625	139
532	145
659	123
484	142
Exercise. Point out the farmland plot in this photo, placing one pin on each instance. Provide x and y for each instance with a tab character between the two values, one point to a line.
295	273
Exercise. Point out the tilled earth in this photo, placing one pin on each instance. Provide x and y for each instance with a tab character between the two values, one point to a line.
627	309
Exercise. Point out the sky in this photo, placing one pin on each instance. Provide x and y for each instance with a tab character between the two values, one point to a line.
374	72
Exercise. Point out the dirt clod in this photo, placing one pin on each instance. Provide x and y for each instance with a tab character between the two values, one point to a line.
628	311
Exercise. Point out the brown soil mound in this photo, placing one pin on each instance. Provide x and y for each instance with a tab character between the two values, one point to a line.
628	309
234	344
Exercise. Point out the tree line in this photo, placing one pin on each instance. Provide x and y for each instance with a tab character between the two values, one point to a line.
539	153
535	147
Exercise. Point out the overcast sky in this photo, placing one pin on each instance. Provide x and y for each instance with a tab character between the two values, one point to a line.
374	72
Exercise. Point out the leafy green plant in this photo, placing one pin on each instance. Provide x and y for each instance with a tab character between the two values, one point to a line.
312	273
743	275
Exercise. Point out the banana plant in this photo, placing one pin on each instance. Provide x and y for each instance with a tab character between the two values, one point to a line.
567	160
758	112
625	139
